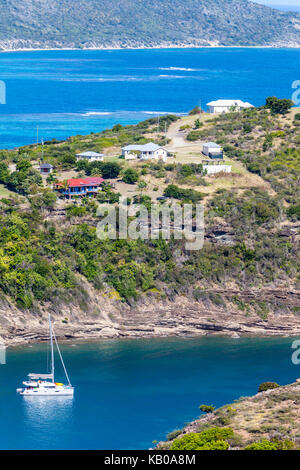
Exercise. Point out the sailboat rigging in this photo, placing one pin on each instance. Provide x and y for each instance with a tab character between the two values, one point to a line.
44	384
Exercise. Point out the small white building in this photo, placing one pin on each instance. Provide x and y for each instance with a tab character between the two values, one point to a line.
225	106
148	151
90	156
211	148
45	168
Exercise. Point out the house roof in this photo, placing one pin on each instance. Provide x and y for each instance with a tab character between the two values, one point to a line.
212	144
229	103
91	180
89	154
46	165
150	147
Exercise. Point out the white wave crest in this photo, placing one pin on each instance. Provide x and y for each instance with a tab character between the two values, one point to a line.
96	113
183	69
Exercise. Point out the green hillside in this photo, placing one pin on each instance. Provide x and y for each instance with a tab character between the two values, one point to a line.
44	256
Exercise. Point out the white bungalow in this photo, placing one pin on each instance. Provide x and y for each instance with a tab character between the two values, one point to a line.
90	156
211	149
148	151
225	106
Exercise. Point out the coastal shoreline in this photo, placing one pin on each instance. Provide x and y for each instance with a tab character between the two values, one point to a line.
91	340
173	46
182	318
68	338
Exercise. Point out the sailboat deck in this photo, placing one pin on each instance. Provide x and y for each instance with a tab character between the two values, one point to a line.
40	376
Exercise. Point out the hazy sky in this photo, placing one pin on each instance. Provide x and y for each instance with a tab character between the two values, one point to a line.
279	2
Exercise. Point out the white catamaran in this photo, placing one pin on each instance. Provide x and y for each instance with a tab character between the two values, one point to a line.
44	384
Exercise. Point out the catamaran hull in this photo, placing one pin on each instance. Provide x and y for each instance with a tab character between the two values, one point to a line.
46	393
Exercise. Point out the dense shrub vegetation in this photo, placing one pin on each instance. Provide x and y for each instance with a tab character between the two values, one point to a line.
212	439
267	386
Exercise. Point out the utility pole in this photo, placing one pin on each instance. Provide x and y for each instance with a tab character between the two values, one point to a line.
42	149
37	136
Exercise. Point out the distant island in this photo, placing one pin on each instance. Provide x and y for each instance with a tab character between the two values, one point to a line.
91	24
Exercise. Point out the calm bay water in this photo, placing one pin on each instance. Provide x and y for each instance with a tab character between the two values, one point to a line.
130	392
70	92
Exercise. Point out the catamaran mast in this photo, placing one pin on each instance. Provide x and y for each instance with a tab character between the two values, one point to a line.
52	335
62	361
52	351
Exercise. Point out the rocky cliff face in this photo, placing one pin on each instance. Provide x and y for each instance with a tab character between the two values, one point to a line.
229	311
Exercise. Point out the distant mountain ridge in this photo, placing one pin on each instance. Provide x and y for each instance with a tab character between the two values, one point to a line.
144	23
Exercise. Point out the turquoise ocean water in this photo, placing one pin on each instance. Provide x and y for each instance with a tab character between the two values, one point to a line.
131	392
76	92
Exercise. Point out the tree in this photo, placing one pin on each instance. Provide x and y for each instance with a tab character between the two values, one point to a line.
4	172
69	161
195	110
117	127
267	386
198	124
25	180
51	178
183	194
110	170
23	165
46	200
207	408
130	176
82	165
49	199
211	439
186	170
263	445
278	106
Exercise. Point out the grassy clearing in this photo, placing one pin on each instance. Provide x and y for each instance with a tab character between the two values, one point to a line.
4	192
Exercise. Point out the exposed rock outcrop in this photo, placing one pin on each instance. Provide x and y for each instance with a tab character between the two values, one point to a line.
217	312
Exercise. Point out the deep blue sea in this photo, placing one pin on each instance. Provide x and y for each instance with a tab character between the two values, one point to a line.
131	392
65	93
